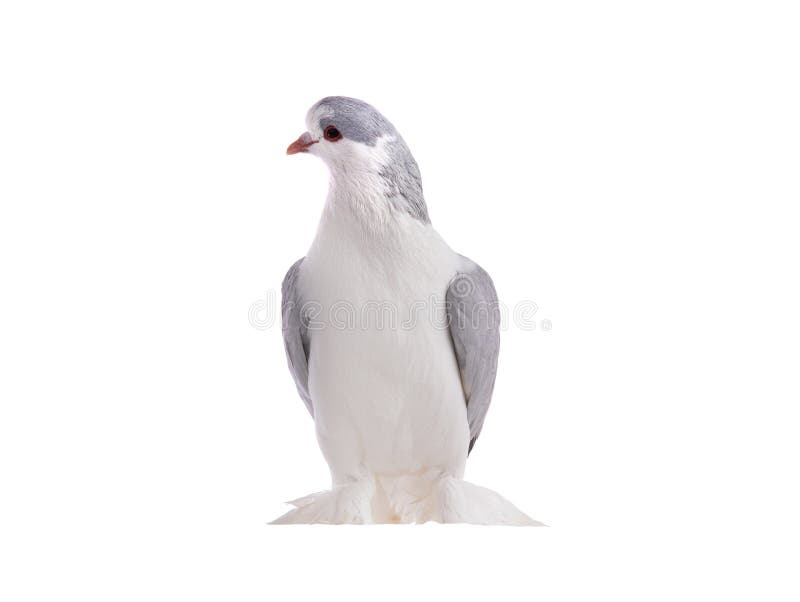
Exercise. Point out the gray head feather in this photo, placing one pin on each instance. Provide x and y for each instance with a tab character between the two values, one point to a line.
361	122
354	118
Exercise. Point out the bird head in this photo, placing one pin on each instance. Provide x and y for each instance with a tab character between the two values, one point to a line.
364	152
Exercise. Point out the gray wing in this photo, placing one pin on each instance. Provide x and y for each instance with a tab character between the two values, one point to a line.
474	318
295	333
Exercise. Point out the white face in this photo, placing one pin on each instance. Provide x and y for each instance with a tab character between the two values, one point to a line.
339	152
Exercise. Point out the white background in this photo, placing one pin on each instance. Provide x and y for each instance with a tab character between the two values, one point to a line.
632	167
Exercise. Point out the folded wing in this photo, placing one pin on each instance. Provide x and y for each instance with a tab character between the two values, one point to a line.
295	334
474	321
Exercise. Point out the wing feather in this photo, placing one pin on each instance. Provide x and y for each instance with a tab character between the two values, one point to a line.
474	321
296	338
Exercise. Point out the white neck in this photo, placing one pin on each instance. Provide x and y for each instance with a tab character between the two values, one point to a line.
358	196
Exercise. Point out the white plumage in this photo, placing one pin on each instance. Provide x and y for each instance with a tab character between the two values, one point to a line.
372	359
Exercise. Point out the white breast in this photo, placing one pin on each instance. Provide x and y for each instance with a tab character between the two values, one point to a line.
382	376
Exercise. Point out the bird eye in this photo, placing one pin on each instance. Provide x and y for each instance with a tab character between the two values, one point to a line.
332	134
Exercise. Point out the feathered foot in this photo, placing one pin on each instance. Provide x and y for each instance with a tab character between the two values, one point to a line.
414	498
344	504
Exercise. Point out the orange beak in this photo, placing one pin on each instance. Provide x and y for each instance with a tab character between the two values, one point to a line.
301	144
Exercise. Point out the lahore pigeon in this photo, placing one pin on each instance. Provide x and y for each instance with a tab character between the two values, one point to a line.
392	338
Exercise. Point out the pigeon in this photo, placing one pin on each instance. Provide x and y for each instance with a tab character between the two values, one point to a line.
392	338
